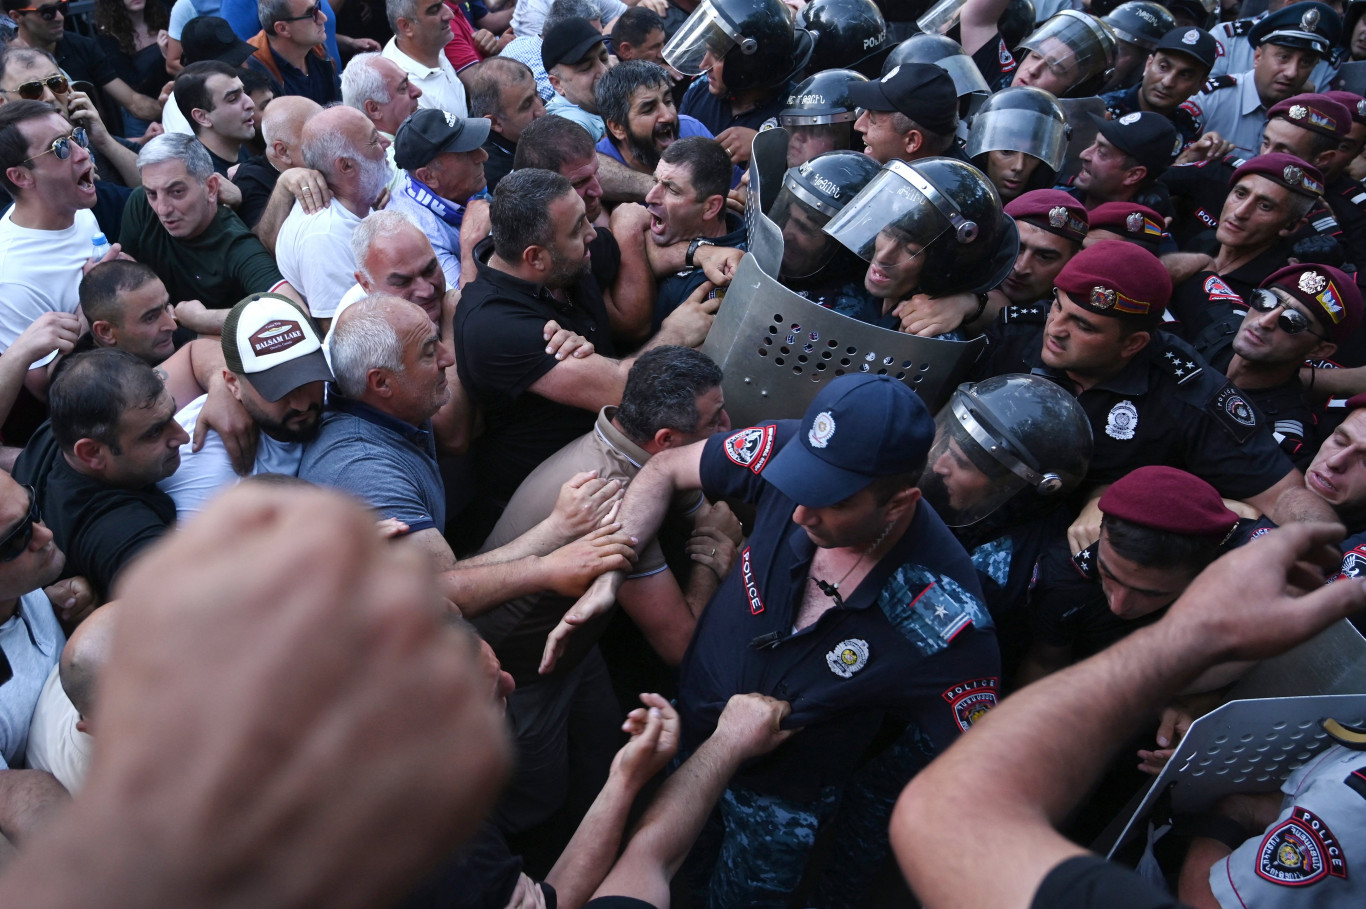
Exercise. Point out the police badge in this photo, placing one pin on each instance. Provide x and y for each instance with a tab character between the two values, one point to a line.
1311	282
1122	421
822	429
1057	217
847	658
1191	37
1298	111
1309	21
1129	119
1102	297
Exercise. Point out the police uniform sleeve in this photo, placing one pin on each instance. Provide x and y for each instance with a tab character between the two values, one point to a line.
733	465
1059	590
1229	445
1090	882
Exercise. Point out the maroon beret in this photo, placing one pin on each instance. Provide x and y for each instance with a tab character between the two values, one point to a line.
1353	102
1119	279
1316	113
1331	296
1164	498
1052	210
1356	402
1132	221
1287	170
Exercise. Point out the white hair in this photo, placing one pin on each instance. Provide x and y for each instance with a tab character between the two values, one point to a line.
361	81
377	226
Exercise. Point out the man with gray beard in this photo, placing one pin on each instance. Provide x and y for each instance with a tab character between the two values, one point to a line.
314	250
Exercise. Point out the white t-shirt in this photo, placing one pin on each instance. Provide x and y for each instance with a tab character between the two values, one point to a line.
441	87
40	271
313	253
54	742
205	473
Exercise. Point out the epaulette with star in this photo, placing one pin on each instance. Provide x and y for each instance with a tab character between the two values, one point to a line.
1227	80
1031	314
1183	369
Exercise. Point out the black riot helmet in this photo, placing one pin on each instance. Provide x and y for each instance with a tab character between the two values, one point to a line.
1005	438
1079	45
848	34
820	115
755	39
1022	119
940	209
1016	22
947	54
1140	22
812	194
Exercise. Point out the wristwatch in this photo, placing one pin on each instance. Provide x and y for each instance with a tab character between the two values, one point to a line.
692	250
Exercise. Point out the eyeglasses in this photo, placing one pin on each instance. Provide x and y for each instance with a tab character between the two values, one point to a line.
1291	321
17	540
61	146
49	12
309	13
32	91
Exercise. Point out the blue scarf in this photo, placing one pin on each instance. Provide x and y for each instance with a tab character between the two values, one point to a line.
444	209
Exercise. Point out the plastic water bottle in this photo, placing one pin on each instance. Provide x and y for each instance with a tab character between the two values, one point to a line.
99	246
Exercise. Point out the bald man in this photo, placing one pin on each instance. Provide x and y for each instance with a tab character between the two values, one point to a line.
273	181
59	738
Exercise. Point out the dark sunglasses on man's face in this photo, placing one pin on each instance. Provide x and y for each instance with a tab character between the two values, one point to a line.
61	146
1291	321
49	12
309	13
17	540
32	91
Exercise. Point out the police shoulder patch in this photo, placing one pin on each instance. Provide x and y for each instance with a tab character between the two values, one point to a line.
1217	289
1356	781
751	447
1353	564
1300	851
971	700
1233	412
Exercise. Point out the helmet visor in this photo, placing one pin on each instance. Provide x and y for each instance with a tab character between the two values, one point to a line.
967	78
801	214
1074	47
963	480
899	205
1026	131
706	32
938	19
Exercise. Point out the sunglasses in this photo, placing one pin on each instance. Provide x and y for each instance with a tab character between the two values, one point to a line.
18	539
61	146
1290	321
309	13
32	91
49	12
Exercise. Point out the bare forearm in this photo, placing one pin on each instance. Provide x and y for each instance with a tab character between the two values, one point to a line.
124	160
589	856
702	584
480	583
277	209
1322	384
620	183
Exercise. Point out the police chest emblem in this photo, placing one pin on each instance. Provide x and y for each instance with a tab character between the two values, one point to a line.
1300	851
1129	119
751	447
1191	37
1122	421
822	430
847	658
1311	282
971	700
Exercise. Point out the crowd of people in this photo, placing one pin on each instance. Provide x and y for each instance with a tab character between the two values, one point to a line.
366	453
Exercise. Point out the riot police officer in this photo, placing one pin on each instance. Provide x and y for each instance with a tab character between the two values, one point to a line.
820	115
848	34
1138	25
1019	140
1071	55
947	54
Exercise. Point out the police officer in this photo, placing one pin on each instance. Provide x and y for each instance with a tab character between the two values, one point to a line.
848	34
934	227
747	52
1148	395
1345	194
820	115
1300	312
1053	226
1175	70
852	601
1130	222
909	113
1019	140
948	55
1285	47
1238	39
1070	55
1138	25
1006	453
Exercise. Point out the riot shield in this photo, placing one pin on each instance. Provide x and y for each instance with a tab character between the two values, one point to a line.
1084	131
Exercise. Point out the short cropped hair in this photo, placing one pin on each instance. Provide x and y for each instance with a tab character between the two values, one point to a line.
178	147
520	213
635	25
192	90
93	390
661	391
102	286
707	162
1159	548
550	143
361	341
13	144
373	227
484	84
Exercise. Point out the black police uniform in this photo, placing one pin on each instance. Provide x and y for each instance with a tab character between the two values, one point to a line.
995	63
1347	200
1167	406
1205	297
715	112
1186	118
913	642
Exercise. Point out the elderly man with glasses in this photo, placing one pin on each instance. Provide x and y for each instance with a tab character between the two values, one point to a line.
291	50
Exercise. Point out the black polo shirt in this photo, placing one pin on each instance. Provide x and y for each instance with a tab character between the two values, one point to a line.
500	353
1206	298
1167	406
913	641
995	62
501	153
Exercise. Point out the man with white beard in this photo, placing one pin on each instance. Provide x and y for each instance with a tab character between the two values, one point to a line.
314	251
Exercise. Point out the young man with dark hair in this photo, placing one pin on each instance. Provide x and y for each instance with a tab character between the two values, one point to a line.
638	34
126	306
219	110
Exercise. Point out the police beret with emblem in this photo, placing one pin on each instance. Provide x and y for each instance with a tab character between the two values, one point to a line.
1147	137
1316	113
1052	210
1193	42
1131	221
1287	170
1355	104
1171	500
1331	295
1356	402
923	92
1117	279
1310	26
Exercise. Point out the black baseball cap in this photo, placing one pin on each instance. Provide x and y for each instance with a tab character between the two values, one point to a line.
569	41
1149	138
922	91
429	132
1195	43
212	38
